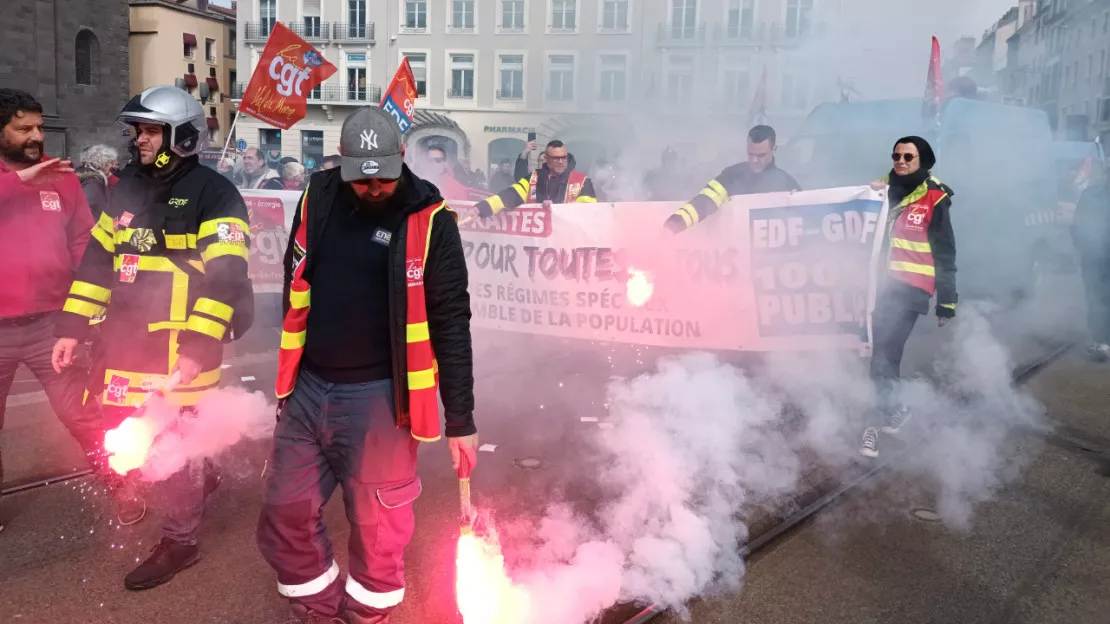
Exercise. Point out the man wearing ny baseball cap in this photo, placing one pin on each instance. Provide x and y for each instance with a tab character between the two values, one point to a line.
377	320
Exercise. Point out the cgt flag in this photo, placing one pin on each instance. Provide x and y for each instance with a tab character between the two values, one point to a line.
934	88
288	70
400	97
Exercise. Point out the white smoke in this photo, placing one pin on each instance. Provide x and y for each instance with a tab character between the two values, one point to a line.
697	446
223	418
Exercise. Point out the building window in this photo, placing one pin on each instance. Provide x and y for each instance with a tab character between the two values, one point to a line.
190	43
416	14
564	14
312	148
313	29
419	63
614	78
512	14
356	84
512	77
680	80
210	50
561	82
741	17
614	15
799	17
684	15
462	14
267	12
462	76
232	76
87	58
231	43
737	86
269	141
356	19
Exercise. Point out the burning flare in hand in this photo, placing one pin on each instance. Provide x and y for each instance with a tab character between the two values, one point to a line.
639	287
484	591
128	445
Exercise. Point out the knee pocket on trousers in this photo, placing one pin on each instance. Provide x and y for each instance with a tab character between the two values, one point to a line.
374	500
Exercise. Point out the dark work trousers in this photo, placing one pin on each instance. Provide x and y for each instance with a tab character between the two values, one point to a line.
330	435
1096	283
30	341
891	325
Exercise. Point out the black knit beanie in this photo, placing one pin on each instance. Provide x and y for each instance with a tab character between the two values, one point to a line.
928	158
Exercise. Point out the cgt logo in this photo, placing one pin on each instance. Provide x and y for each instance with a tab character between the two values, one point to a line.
915	216
116	392
414	272
288	76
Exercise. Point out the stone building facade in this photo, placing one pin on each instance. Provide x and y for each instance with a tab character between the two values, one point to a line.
72	55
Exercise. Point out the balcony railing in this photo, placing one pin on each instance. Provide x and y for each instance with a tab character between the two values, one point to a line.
678	34
257	32
765	33
510	95
329	94
352	32
460	94
312	31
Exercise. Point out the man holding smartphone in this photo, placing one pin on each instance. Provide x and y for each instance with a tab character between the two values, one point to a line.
554	182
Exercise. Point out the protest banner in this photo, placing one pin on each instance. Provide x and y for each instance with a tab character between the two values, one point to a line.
781	271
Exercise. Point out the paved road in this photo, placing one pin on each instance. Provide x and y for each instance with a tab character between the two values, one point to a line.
1039	553
63	560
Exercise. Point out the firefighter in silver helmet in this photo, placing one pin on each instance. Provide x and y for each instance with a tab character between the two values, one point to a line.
167	266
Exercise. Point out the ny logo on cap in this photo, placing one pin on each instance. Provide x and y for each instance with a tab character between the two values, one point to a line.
369	139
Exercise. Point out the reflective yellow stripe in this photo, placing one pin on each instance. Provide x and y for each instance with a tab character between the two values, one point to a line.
164	325
422	380
290	340
917	194
685	216
692	212
106	223
207	327
901	243
179	297
124	235
910	267
105	239
216	250
522	188
298	300
149	263
136	394
719	188
417	332
586	199
496	204
213	308
82	307
91	291
210	227
176	241
948	306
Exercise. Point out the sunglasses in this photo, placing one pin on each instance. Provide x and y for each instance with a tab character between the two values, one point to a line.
907	157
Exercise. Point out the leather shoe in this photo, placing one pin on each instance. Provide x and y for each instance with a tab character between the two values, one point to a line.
166	560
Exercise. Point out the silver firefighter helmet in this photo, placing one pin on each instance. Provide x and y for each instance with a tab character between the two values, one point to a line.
177	111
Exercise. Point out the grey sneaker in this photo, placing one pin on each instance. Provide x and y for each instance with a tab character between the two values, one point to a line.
896	420
870	445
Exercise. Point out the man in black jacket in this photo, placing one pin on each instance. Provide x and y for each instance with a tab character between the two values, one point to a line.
758	175
381	255
555	182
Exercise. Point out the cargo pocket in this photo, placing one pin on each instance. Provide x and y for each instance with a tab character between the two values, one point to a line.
400	495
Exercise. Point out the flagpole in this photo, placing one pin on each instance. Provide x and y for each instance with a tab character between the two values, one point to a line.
231	132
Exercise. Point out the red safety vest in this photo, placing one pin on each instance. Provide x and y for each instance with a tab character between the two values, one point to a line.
422	374
911	255
574	186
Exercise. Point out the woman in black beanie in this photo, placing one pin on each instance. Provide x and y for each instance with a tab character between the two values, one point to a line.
920	255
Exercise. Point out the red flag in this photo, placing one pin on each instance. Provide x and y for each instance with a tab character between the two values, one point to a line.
757	114
400	97
934	87
286	72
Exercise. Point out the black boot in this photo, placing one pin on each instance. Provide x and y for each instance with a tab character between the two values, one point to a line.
300	614
167	559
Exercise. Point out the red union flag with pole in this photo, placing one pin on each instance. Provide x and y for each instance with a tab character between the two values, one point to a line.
400	98
934	87
288	70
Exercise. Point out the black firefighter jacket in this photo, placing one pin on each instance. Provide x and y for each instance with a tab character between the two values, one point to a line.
167	264
738	179
445	288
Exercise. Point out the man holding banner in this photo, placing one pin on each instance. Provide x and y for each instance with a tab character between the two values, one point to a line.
758	175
